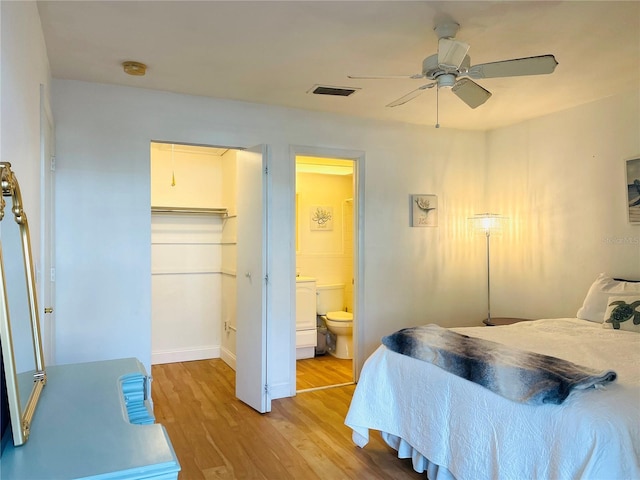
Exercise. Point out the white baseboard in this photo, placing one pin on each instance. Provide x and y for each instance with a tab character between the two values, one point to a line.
185	355
228	357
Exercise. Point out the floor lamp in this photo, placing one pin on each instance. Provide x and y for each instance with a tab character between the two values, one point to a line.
488	223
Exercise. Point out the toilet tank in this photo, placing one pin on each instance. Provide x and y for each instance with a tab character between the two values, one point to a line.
330	298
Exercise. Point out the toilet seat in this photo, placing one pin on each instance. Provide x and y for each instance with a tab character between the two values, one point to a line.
340	316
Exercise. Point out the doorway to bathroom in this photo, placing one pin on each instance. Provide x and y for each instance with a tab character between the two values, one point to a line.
327	265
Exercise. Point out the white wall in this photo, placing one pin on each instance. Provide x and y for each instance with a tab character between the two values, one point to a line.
562	181
103	132
24	67
321	254
186	290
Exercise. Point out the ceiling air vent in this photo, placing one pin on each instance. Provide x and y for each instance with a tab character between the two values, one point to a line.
335	91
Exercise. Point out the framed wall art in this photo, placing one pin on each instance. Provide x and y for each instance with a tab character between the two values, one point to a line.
321	218
633	190
424	210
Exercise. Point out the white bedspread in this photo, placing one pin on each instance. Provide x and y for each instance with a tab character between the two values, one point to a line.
474	433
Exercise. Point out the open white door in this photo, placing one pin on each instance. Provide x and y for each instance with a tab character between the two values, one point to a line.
251	262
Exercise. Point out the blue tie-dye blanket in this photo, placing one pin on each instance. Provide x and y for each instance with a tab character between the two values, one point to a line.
518	375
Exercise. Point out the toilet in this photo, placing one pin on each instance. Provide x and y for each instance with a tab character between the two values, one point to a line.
330	306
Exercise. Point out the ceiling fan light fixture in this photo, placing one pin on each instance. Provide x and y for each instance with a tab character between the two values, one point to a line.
446	80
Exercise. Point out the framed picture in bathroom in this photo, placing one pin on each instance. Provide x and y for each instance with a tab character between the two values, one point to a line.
424	210
321	217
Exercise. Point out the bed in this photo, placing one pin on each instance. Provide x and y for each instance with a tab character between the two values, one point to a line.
453	428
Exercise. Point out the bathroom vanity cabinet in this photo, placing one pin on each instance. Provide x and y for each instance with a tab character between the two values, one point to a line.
93	421
306	333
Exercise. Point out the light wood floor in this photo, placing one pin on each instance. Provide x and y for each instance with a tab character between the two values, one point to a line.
322	371
215	436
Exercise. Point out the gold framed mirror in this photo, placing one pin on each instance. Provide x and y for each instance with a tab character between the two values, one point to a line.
22	353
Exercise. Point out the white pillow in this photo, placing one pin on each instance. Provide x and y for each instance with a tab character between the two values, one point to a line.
629	315
596	302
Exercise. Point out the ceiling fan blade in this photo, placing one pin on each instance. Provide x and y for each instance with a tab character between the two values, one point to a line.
470	92
540	65
451	53
386	77
411	95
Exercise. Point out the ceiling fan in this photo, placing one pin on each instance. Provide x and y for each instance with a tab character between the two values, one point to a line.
451	68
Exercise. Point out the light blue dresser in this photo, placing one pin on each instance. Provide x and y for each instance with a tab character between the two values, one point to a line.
93	421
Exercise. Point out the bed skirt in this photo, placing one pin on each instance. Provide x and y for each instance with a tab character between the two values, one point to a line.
420	462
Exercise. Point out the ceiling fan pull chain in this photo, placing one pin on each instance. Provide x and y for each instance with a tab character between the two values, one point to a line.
437	106
173	169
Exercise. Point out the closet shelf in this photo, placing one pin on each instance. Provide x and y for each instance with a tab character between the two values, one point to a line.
222	212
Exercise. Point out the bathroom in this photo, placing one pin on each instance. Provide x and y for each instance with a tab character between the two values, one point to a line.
324	270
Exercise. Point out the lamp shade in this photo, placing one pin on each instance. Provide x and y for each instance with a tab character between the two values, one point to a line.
488	223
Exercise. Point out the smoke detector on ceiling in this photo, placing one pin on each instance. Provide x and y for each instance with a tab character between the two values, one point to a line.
134	68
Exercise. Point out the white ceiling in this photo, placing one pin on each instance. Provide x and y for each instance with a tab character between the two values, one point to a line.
275	52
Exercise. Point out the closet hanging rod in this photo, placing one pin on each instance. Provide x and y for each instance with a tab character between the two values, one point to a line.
191	210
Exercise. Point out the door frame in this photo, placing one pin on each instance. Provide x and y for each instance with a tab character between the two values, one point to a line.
358	158
255	394
46	289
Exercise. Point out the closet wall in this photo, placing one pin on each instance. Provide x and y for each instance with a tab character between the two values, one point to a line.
193	254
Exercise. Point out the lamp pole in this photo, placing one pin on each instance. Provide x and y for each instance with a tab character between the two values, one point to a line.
484	223
488	234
